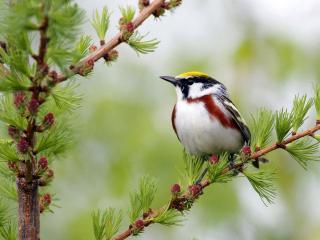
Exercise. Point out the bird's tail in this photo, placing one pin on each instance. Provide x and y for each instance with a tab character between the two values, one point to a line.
257	161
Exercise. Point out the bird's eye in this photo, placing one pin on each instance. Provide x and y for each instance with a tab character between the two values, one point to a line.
205	86
189	82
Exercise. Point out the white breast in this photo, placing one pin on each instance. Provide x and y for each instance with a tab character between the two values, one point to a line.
201	134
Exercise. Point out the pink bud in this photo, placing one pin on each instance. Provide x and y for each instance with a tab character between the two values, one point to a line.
19	99
48	120
195	189
13	132
139	224
43	163
246	150
175	188
46	198
23	145
214	159
33	106
130	27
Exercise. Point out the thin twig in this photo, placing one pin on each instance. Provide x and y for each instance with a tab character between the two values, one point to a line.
127	233
42	70
275	146
43	40
187	196
115	41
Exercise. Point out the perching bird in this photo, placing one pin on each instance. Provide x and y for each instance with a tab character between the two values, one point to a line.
204	119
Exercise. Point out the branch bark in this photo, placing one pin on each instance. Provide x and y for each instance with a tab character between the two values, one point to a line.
29	211
44	40
115	41
179	202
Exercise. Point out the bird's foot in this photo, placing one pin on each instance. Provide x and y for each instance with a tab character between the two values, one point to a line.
231	159
202	176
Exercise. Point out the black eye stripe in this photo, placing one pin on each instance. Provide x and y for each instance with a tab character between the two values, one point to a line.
185	91
186	83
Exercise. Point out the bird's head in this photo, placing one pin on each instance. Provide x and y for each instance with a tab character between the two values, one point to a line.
191	85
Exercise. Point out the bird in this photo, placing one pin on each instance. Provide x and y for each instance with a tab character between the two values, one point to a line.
204	118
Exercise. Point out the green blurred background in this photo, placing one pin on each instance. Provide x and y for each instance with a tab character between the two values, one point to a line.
265	52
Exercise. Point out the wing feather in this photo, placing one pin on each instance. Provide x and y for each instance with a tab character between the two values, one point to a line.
245	132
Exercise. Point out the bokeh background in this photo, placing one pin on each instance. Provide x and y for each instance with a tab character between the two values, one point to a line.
265	52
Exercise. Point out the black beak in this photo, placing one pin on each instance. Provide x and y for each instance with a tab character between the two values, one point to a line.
169	79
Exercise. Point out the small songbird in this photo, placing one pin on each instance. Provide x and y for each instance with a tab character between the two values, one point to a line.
204	119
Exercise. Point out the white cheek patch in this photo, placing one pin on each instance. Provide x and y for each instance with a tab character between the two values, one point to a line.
196	90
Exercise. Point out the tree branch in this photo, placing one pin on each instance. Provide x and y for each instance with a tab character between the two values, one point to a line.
32	171
28	201
115	41
43	40
276	146
182	202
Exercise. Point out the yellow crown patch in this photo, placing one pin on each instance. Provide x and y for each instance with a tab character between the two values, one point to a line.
192	74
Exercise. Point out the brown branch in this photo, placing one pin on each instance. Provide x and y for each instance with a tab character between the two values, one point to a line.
115	41
29	217
28	200
282	144
44	40
194	191
42	70
291	139
127	233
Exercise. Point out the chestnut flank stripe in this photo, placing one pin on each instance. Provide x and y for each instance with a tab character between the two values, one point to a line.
173	119
213	110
